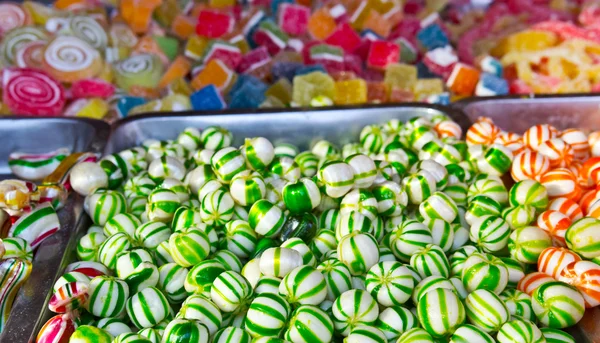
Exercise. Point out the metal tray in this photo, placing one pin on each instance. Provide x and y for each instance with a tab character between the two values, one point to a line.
42	135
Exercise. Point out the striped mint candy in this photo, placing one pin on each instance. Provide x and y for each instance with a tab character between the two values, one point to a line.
286	169
430	260
267	284
366	334
360	200
108	296
458	258
137	206
265	218
296	243
230	291
88	245
151	334
442	233
171	282
520	330
122	222
364	169
438	206
558	305
323	242
353	308
68	297
518	304
390	283
556	336
129	260
186	217
457	192
515	271
259	152
215	137
459	287
229	260
486	310
130	337
166	167
15	247
162	253
227	162
385	172
470	334
199	176
190	138
428	284
419	186
583	237
251	271
395	320
143	276
410	237
147	307
353	221
584	276
307	161
460	235
247	187
529	192
329	219
309	324
269	340
489	187
304	285
391	198
90	334
490	233
112	247
36	226
201	309
149	235
279	262
480	206
371	138
359	251
531	281
162	204
267	316
232	334
184	330
337	277
526	244
416	335
217	208
519	216
240	239
301	196
139	185
114	326
103	205
189	248
484	271
440	312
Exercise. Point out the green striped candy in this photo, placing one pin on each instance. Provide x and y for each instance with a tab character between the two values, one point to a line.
497	160
112	247
395	320
267	284
304	285
491	188
385	172
430	260
229	260
459	288
240	213
199	176
184	331
371	138
247	188
285	168
353	308
190	138
519	216
386	254
137	205
323	149
365	334
296	243
217	208
162	254
202	157
149	235
329	219
458	258
438	206
267	316
391	199
457	173
358	282
279	262
529	192
360	200
265	218
147	308
186	217
90	334
201	309
439	173
484	271
470	334
240	239
307	161
227	162
182	190
460	236
230	291
122	222
419	186
526	244
518	304
440	312
442	234
301	196
309	324
337	176
171	282
189	248
337	277
201	277
103	205
457	192
428	284
215	137
251	271
128	261
520	330
139	185
415	335
352	149
390	283
480	206
116	169
323	242
70	277
393	223
88	245
486	310
113	326
130	337
152	334
583	237
410	237
285	149
364	169
166	167
108	296
232	334
490	233
359	251
558	305
162	204
353	221
259	152
556	336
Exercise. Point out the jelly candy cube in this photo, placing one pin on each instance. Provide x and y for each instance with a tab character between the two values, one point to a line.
401	95
270	35
92	88
370	35
89	108
463	79
321	24
377	92
217	73
180	86
440	61
311	69
408	52
195	47
360	10
147	44
377	23
276	5
345	37
401	76
353	63
382	53
282	90
183	26
126	103
168	45
490	65
239	40
178	69
254	59
309	86
439	99
331	57
285	69
214	24
224	51
424	88
338	12
247	96
293	19
138	13
350	92
490	85
432	37
221	3
207	99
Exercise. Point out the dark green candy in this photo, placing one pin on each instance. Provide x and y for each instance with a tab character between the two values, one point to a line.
303	226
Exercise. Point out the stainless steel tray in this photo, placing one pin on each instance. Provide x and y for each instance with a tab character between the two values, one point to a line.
43	135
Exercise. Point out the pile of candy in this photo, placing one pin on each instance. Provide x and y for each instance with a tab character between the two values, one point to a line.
409	235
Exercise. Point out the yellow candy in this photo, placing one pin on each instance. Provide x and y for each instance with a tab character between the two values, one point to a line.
350	92
180	86
272	102
221	3
95	108
281	90
399	75
176	103
149	107
427	87
195	46
529	40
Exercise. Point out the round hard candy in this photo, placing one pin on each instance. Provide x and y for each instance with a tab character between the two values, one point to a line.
267	316
232	334
265	218
482	132
359	251
480	206
567	207
324	149
484	271
149	235
215	137
337	176
113	326
583	236
468	333
184	330
337	277
362	201
89	334
230	291
537	135
440	312
430	260
171	282
201	309
69	297
526	244
166	167
88	245
353	221
147	307
490	188
307	161
561	182
372	138
112	247
529	192
558	305
532	281
518	304
556	224
267	284
395	320
520	330
301	196
217	208
240	239
323	242
107	296
519	216
367	334
553	260
415	335
227	162
304	285
438	206
556	336
201	277
162	204
529	165
247	187
428	284
364	169
419	186
584	276
189	248
486	310
353	308
229	260
559	152
390	283
410	237
104	204
87	177
259	152
285	168
295	243
309	324
458	258
490	233
279	262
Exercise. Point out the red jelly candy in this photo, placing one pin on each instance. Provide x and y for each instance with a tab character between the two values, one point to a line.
383	53
293	19
345	37
92	88
254	59
32	92
213	24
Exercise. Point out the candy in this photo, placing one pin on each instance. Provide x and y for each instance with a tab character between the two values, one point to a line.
490	233
353	308
301	196
529	165
200	278
189	248
430	260
337	176
582	275
87	333
440	312
59	327
107	296
36	226
532	281
359	261
519	330
526	244
486	310
389	283
484	271
415	335
553	260
518	304
567	207
581	237
556	297
470	333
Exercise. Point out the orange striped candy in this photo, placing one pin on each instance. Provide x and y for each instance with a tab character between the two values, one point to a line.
512	141
448	128
567	207
594	209
558	152
529	165
594	138
579	141
587	199
561	182
482	133
585	276
556	224
484	119
538	134
531	281
590	171
553	260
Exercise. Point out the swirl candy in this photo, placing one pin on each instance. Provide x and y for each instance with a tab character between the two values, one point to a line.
36	226
28	91
142	70
69	58
13	272
486	310
584	276
557	304
440	312
57	328
354	308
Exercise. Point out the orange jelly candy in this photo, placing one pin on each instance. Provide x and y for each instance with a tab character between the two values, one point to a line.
138	13
377	23
179	68
183	26
321	24
216	73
